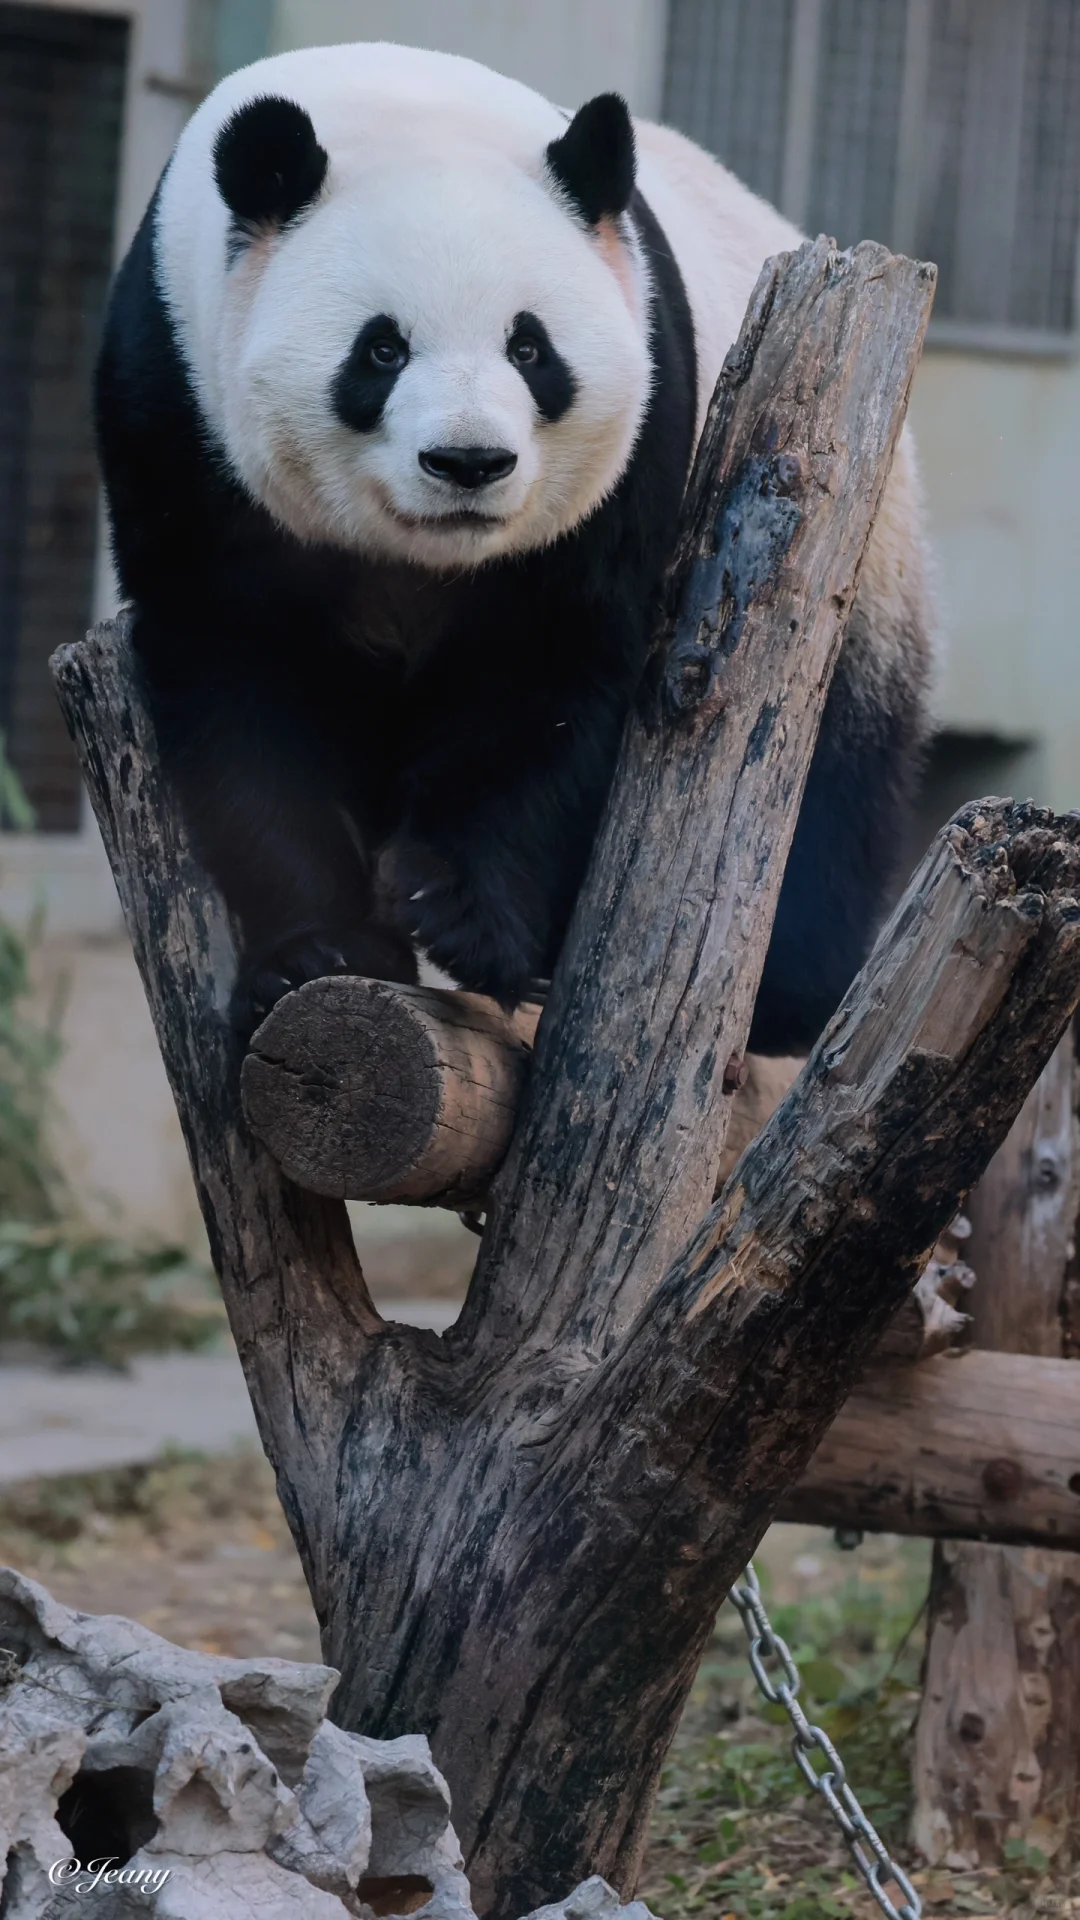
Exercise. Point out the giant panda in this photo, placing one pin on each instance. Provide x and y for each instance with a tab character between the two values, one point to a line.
401	382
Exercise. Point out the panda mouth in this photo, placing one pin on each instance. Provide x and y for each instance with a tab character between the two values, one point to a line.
464	521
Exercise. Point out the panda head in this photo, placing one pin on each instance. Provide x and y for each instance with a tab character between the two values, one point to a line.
423	349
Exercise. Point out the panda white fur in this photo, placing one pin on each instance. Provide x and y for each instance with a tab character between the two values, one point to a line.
400	385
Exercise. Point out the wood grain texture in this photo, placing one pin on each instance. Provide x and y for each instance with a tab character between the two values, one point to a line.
977	1446
373	1092
517	1535
999	1728
998	1740
1023	1219
935	1317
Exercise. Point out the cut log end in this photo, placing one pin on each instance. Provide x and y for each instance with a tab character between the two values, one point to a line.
366	1091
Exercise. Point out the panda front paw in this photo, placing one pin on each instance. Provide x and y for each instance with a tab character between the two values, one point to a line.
466	920
380	953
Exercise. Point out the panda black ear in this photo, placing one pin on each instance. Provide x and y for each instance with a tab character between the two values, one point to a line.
267	162
593	161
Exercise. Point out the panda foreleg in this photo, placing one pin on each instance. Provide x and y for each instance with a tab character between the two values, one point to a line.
500	818
266	799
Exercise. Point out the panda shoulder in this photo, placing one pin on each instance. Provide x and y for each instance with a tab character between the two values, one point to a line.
719	232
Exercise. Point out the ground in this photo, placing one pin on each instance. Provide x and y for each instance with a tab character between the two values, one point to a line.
197	1549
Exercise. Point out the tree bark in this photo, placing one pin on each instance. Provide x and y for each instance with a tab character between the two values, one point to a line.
516	1537
998	1740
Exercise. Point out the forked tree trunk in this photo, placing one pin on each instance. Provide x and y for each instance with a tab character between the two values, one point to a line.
998	1740
517	1536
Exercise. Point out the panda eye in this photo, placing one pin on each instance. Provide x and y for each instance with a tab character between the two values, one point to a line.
523	351
388	354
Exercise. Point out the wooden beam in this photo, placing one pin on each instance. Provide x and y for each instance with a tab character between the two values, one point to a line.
364	1091
980	1446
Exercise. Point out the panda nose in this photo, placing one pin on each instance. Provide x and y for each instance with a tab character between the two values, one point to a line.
468	466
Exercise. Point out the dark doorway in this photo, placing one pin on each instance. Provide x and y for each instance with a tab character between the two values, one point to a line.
61	109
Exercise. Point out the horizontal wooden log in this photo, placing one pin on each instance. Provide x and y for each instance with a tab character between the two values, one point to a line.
981	1446
365	1091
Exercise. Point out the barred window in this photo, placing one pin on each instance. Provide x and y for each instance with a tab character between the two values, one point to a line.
61	102
949	129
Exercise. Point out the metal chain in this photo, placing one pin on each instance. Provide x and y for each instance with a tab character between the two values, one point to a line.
876	1865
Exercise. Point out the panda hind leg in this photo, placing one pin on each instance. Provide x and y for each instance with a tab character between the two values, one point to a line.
847	842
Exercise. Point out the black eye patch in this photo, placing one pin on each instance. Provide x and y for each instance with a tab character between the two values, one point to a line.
363	384
542	368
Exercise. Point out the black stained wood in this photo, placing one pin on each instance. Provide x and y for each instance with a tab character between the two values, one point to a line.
517	1536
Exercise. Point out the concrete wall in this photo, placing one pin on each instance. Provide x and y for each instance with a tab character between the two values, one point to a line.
998	441
563	48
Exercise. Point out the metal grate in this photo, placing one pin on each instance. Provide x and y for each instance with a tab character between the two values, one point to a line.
852	174
61	97
946	128
726	83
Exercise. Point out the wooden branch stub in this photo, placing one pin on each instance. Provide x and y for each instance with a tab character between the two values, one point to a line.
367	1091
373	1092
977	1446
935	1317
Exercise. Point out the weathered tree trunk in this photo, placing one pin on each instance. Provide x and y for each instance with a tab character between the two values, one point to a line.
517	1537
998	1741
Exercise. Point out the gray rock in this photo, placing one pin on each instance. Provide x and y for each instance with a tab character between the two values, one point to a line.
330	1841
594	1899
222	1784
35	1769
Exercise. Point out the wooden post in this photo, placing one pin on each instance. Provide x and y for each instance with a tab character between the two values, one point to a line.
998	1740
517	1537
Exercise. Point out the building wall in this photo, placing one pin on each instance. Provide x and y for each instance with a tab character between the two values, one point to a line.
562	48
997	438
117	1131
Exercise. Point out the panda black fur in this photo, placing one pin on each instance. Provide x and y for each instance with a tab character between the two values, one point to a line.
400	386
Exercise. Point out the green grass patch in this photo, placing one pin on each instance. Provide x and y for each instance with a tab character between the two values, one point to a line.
66	1286
736	1829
